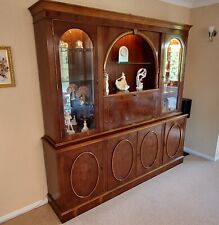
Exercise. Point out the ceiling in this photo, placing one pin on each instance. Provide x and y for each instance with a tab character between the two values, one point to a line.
192	3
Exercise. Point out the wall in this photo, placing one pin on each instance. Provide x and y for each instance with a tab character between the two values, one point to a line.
22	175
147	8
201	83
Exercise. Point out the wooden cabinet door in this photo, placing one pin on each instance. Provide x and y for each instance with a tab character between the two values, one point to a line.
81	173
150	147
121	159
124	109
174	139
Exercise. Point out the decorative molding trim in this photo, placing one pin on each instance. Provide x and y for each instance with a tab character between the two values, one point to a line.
204	3
21	211
191	4
142	149
200	154
184	3
72	171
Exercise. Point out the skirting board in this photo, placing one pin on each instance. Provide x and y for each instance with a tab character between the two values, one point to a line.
200	154
23	210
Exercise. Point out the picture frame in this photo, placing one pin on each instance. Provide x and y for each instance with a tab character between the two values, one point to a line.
6	67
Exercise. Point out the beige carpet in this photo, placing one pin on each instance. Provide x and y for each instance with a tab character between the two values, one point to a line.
185	195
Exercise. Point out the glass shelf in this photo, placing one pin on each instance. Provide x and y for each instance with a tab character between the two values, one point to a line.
130	63
118	93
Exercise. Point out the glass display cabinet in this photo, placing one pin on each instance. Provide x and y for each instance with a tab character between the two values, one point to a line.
77	79
111	88
141	54
132	88
172	74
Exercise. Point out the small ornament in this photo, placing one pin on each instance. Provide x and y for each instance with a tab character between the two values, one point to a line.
70	129
106	77
121	83
140	76
79	44
72	88
82	93
85	128
74	122
123	54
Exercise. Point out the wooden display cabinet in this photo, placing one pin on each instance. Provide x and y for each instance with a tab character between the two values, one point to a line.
106	130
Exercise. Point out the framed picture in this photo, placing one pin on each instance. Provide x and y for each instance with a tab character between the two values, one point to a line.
6	68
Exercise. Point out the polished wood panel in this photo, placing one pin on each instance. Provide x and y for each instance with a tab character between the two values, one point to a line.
81	173
174	139
90	173
84	183
121	158
150	149
73	212
52	172
47	77
123	153
125	109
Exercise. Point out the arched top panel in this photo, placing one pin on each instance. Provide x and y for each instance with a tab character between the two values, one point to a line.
76	38
138	43
128	55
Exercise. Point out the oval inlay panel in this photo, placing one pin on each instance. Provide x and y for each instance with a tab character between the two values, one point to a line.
149	149
85	174
122	160
173	140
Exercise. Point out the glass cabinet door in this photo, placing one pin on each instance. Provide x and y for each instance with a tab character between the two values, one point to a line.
171	75
130	64
77	79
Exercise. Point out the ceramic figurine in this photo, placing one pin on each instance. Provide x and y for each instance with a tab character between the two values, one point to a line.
140	76
70	129
82	93
121	83
74	122
85	128
72	88
106	79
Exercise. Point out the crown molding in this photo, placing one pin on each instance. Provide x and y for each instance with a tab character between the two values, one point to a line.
204	3
191	3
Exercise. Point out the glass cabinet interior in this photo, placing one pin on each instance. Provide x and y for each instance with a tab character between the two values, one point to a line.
172	75
77	80
139	57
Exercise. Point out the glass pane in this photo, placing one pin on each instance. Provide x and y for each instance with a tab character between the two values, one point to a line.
171	76
130	65
77	77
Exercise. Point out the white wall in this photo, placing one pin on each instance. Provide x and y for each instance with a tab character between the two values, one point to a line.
202	82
